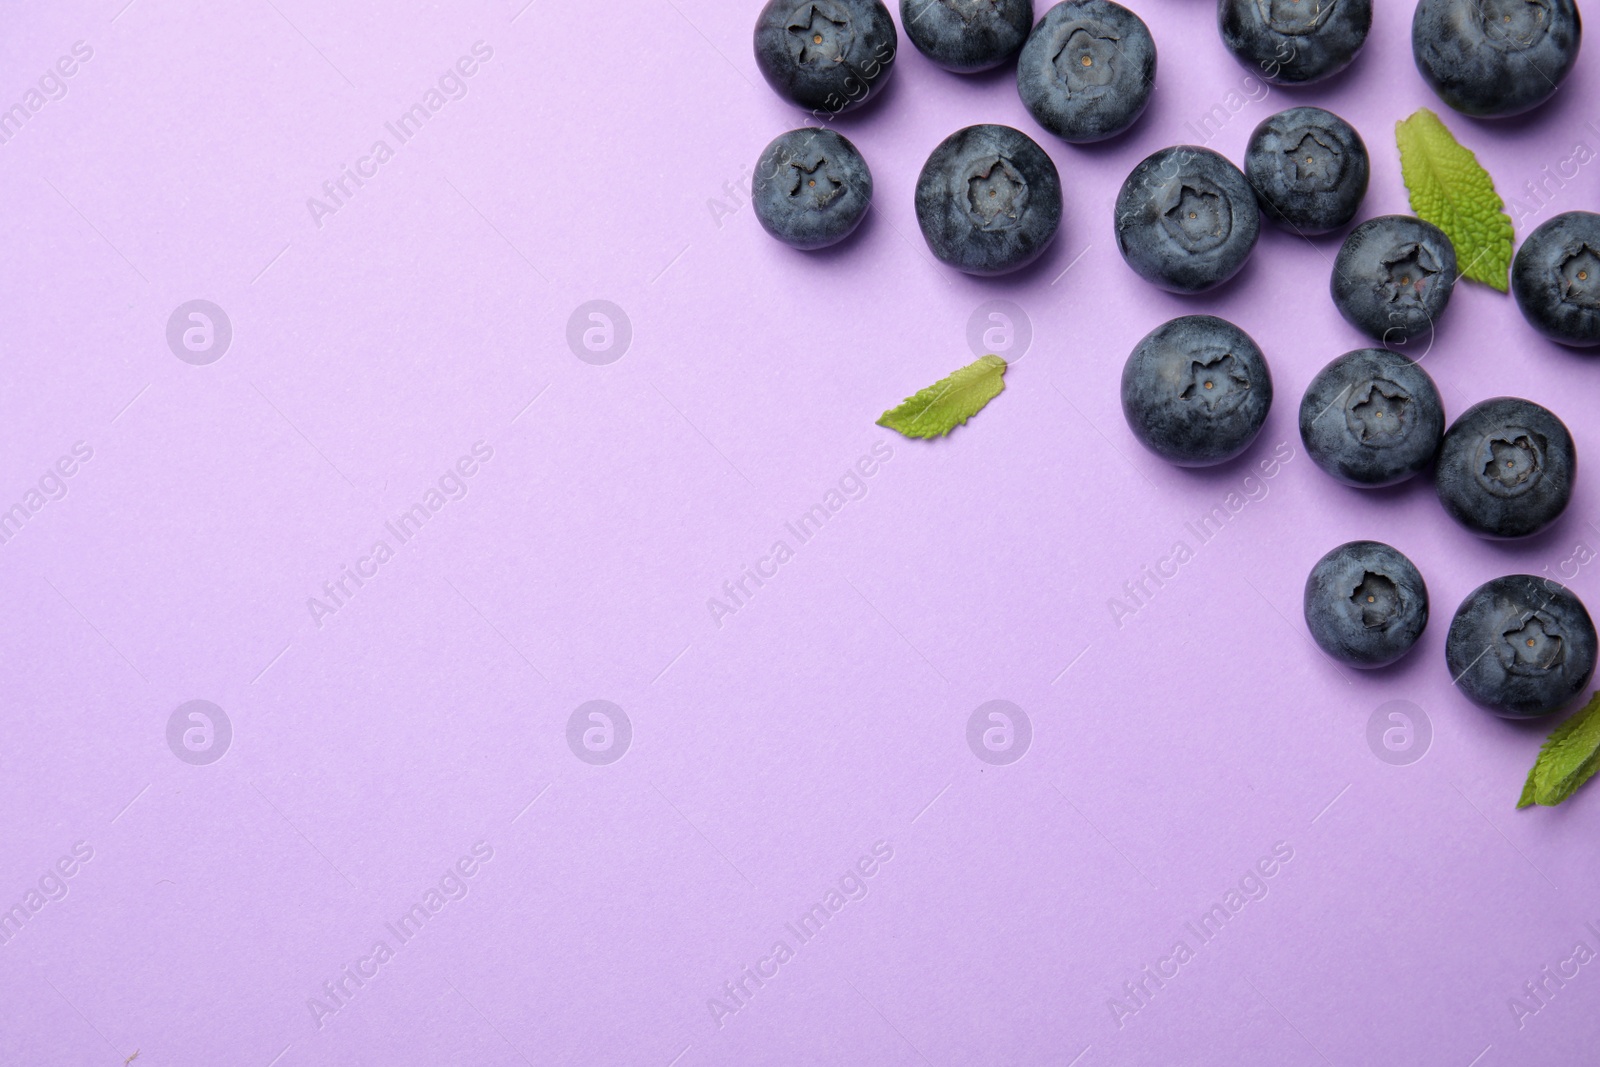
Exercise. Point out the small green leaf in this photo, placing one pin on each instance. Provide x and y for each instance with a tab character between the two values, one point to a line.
1450	189
948	402
1569	757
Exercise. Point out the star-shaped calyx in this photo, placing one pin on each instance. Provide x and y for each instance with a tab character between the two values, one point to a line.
1513	462
1411	274
1535	646
818	37
1314	162
1377	598
815	184
1580	279
1199	221
997	194
1086	61
1514	25
1216	384
1377	412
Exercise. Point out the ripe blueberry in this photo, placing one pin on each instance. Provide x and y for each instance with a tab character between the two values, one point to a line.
811	188
825	55
1521	646
1186	219
1366	604
1493	58
1506	468
967	35
1087	70
1371	418
1393	277
1196	390
1556	277
1292	42
988	200
1309	169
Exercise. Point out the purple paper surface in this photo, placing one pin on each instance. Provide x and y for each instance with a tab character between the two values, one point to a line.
398	746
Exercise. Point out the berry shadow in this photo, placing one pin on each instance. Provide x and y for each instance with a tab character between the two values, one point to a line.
1421	348
1413	671
1534	729
1545	548
1566	109
1230	472
1529	124
1200	303
1385	497
1313	94
839	250
1105	146
983	79
1052	258
874	112
1332	239
1423	659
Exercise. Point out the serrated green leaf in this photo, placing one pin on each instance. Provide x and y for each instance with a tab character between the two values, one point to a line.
1569	757
1450	189
1526	799
948	402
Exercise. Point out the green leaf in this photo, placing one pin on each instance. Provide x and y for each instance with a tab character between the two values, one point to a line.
1450	189
1569	757
948	402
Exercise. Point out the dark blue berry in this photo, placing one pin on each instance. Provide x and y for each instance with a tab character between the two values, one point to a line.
1372	418
1186	219
1366	604
1493	58
967	35
1506	468
1393	277
1521	646
1309	169
1293	42
828	56
1196	390
988	200
1556	277
811	188
1087	70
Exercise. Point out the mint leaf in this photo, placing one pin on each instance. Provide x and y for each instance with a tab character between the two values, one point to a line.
1568	758
948	402
1450	189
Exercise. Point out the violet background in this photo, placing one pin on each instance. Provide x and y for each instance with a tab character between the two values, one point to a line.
585	162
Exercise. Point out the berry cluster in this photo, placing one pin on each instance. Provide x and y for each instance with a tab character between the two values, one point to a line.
1197	389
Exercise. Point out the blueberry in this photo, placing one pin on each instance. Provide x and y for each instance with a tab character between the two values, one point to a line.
1493	58
1521	646
1371	418
1506	468
811	188
1309	169
1196	390
1393	277
1087	70
1186	219
1556	277
1366	604
988	200
1293	42
967	35
825	55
